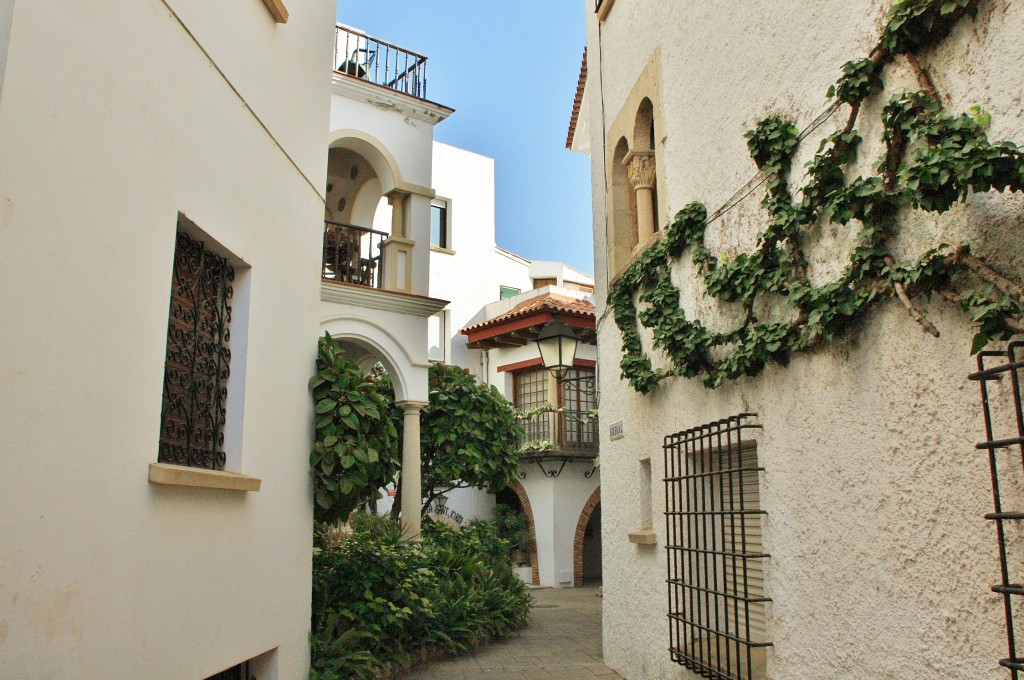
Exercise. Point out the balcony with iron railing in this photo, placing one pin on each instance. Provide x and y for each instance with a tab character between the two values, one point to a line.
381	63
353	255
562	432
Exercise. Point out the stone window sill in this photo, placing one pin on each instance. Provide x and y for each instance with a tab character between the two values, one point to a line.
440	249
643	537
179	475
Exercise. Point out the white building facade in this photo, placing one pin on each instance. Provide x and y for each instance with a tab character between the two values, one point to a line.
140	142
857	487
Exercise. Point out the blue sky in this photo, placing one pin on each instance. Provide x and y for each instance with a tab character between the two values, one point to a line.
509	70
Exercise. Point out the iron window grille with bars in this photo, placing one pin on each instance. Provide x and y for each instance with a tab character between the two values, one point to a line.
713	549
996	366
198	358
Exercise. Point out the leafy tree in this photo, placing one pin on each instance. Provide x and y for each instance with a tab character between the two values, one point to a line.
468	436
354	452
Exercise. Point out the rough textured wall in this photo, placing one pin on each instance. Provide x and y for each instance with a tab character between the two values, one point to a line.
881	561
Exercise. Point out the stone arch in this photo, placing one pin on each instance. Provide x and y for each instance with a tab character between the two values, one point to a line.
643	126
524	500
644	142
367	343
581	530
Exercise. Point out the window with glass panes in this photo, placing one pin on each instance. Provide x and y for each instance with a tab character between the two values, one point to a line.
439	224
579	398
531	392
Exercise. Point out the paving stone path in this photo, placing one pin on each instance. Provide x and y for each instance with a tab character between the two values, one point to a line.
562	641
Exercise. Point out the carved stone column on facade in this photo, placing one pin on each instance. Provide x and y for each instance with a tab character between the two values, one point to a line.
640	167
412	484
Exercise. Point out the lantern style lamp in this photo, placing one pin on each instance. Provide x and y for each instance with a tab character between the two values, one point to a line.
557	344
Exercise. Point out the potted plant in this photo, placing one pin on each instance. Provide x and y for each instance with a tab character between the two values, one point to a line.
514	528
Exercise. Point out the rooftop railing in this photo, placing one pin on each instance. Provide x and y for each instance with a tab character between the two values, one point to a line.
360	56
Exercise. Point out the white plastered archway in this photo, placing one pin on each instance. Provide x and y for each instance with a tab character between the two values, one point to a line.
369	343
372	343
374	151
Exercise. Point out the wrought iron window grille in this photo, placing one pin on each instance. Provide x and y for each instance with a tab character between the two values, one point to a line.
997	366
712	527
198	358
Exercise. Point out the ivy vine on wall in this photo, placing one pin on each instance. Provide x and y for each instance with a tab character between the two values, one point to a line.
931	161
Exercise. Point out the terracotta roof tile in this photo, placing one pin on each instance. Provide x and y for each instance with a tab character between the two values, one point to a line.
542	303
580	85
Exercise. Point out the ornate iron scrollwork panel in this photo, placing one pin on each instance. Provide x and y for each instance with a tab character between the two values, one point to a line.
196	370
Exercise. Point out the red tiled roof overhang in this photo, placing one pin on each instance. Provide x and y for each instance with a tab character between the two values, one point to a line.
523	322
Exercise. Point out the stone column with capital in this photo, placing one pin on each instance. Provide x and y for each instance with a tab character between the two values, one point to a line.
396	199
412	483
640	167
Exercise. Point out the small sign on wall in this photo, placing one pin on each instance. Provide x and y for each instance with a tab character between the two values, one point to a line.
615	431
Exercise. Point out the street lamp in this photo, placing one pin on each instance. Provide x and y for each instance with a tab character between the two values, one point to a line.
557	344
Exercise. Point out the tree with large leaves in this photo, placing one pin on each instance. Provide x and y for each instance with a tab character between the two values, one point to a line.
468	436
355	448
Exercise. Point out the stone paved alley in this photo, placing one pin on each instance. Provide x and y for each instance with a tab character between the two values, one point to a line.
563	641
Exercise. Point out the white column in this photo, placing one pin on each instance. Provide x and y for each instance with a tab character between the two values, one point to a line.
412	485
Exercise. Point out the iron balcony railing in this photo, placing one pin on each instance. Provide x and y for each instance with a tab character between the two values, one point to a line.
352	254
565	430
381	63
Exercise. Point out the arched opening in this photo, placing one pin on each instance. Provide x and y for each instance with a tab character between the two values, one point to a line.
644	136
357	217
351	246
622	208
514	496
643	126
586	550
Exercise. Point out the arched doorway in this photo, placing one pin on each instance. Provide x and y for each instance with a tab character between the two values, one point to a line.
514	495
586	551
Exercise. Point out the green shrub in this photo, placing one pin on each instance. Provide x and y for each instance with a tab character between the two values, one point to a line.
380	601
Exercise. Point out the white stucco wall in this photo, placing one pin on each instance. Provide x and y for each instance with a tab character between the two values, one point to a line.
407	140
881	561
112	121
557	504
470	273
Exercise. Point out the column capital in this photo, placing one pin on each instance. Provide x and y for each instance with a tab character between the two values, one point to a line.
640	166
411	405
396	195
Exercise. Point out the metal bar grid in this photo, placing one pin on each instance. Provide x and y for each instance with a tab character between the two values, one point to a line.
996	366
707	518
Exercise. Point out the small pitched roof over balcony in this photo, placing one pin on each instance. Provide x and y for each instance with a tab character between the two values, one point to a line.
523	323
